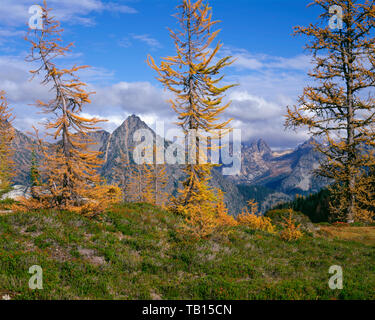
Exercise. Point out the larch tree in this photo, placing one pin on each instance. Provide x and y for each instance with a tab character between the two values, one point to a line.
122	173
136	188
338	108
7	166
156	181
70	168
193	76
144	182
34	169
365	194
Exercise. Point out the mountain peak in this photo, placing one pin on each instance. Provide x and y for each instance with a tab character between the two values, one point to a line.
132	119
263	146
308	144
260	146
132	124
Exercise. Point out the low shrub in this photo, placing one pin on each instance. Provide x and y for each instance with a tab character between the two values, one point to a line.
278	218
252	220
291	230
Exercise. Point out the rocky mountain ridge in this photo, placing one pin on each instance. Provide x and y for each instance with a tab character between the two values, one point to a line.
290	172
282	174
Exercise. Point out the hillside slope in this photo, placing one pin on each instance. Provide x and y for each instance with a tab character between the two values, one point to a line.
135	252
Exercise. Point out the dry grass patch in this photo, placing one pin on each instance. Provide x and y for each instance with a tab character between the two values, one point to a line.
364	235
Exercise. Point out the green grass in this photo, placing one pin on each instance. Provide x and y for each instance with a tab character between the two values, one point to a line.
6	204
136	252
5	191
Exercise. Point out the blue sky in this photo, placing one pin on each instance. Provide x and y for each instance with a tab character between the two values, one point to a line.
114	37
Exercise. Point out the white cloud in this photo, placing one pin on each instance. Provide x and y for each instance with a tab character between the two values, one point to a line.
260	118
257	116
11	33
114	102
110	123
14	79
96	75
151	42
124	42
258	104
300	62
15	13
246	60
140	98
116	8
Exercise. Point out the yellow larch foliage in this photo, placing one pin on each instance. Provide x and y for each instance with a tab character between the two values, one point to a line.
200	214
121	173
252	219
146	182
69	168
136	186
365	194
156	183
224	219
338	108
155	180
192	75
7	166
290	231
209	218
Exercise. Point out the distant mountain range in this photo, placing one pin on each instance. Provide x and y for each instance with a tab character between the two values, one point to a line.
274	177
267	176
289	171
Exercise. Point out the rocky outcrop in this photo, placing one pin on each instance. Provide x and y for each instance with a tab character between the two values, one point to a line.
18	191
22	144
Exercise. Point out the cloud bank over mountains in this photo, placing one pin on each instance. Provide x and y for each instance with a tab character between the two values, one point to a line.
258	104
267	84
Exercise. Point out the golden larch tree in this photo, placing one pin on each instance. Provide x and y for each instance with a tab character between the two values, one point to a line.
223	217
145	182
70	168
7	166
193	76
121	173
338	108
136	187
366	191
156	181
